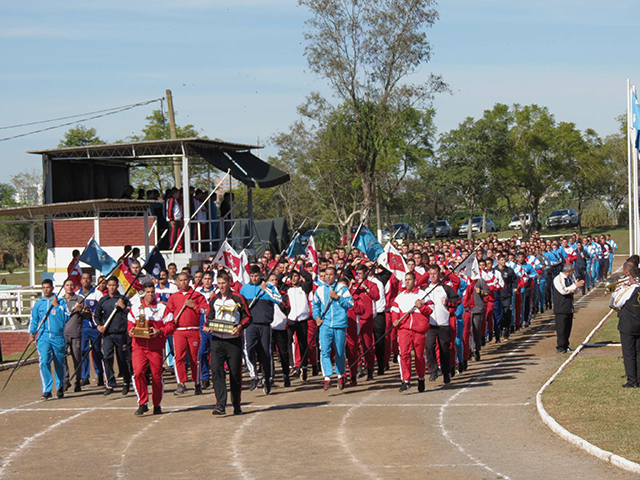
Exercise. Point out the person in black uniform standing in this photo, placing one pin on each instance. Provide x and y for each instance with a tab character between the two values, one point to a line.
564	286
115	335
625	301
502	306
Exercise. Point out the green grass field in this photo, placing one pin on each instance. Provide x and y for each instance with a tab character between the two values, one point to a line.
20	277
588	400
608	333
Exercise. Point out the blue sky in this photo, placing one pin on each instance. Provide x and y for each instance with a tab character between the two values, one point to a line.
237	70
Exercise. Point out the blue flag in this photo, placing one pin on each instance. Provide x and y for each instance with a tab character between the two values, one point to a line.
295	247
95	256
155	263
635	117
368	244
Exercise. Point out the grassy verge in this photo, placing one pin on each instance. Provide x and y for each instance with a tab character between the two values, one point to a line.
20	277
14	357
608	333
587	399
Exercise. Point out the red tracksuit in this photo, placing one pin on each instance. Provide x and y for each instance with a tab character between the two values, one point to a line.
187	332
361	325
147	353
411	332
391	341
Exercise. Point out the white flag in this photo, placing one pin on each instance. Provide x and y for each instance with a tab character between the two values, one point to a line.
469	268
393	261
244	267
227	257
312	254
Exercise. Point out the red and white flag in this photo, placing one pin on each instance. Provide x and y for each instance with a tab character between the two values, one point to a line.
229	258
312	254
469	268
245	264
74	272
393	261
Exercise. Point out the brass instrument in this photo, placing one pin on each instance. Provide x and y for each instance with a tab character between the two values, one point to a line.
614	281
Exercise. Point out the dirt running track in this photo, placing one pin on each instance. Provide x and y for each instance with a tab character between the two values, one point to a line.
483	425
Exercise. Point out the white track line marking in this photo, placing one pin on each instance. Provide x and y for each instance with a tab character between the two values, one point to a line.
30	439
297	405
342	438
236	452
443	408
19	408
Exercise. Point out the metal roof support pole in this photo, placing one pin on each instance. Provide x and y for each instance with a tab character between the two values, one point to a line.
96	234
32	255
48	195
146	233
250	212
186	207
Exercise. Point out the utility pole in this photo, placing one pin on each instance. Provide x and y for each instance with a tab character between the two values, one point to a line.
177	175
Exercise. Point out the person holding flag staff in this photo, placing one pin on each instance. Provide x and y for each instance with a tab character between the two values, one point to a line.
48	318
331	302
78	312
114	341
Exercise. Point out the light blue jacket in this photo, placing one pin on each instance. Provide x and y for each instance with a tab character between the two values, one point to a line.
336	315
53	326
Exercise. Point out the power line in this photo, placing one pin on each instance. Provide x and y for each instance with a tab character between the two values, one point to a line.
110	111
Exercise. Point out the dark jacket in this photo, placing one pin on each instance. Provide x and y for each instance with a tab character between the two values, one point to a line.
103	311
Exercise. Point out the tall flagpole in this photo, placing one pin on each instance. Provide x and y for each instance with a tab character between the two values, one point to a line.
631	216
636	210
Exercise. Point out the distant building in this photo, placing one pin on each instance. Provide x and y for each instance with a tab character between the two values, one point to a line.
30	194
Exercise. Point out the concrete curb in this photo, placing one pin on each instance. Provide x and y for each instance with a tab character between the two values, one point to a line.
8	366
579	442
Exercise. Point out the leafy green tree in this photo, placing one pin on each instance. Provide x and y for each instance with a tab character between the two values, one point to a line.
80	136
366	51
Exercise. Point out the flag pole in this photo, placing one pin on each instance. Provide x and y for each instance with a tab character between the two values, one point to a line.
629	173
636	210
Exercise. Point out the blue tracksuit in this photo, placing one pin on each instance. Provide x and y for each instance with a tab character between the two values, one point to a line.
50	342
333	331
91	338
460	322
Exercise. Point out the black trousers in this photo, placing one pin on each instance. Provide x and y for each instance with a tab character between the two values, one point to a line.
441	335
526	305
75	346
581	274
564	322
227	350
631	356
258	340
116	344
281	340
476	332
301	330
379	329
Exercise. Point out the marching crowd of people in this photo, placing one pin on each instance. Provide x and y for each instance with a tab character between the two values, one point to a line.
342	316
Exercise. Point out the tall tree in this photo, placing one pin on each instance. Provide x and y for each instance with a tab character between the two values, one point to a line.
366	51
80	136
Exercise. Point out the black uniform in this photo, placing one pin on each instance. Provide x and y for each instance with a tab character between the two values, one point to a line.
502	318
563	288
115	338
629	327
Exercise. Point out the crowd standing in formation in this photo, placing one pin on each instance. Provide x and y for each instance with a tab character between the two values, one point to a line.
340	314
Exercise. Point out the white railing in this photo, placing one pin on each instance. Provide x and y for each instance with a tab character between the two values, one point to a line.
16	305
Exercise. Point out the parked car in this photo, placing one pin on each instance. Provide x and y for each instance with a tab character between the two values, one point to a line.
566	217
405	232
515	223
443	229
476	226
304	239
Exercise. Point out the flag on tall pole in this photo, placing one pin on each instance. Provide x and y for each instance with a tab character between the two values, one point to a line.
244	267
97	258
295	247
229	258
127	279
312	254
393	261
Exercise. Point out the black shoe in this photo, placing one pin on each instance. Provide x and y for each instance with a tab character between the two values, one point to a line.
77	389
198	390
483	341
477	355
142	409
490	336
157	410
404	387
67	386
254	385
466	365
205	384
361	373
219	410
395	359
560	350
380	371
497	338
439	371
387	367
569	349
60	393
267	388
181	389
237	411
303	375
101	382
629	385
369	375
46	396
84	382
314	370
447	378
125	389
287	381
433	377
460	367
452	371
108	391
421	385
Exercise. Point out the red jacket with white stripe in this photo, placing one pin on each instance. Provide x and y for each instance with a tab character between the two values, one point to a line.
190	317
418	319
158	318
